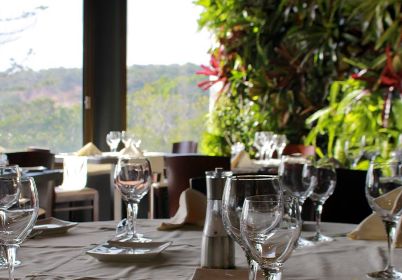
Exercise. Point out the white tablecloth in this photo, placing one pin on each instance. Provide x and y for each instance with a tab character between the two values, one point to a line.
64	257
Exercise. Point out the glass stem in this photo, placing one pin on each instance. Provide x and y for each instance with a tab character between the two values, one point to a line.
318	211
253	269
390	228
132	211
11	252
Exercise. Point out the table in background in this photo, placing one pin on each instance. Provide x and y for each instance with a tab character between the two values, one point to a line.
64	257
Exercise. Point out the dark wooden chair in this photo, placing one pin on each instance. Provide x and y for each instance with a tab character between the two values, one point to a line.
185	147
45	187
180	168
299	148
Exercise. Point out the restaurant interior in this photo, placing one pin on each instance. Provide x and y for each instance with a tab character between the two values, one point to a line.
297	175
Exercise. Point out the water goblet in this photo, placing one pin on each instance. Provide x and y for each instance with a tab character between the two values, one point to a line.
323	178
18	219
270	226
113	139
281	142
383	193
9	193
260	142
290	173
236	189
132	178
126	138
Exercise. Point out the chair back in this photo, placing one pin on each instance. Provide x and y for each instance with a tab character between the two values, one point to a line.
180	168
184	147
44	186
299	148
32	158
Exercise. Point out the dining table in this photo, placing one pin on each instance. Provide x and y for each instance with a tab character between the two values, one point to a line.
64	255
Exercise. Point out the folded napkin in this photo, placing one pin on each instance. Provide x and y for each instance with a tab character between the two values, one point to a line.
372	228
88	150
132	150
192	208
241	159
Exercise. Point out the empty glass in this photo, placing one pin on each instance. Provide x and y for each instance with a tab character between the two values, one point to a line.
113	139
17	219
383	193
290	173
323	178
237	188
280	144
270	227
133	178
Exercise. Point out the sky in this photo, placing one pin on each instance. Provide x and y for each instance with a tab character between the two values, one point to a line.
159	32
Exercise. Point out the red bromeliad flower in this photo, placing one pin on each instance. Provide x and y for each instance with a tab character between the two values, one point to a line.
391	77
214	71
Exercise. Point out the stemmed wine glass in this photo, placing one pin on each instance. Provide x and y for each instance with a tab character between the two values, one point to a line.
270	227
17	218
113	139
126	138
323	178
8	196
290	173
281	142
237	188
133	178
383	193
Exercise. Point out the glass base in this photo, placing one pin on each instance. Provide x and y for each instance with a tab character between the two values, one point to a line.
4	264
303	242
390	273
318	237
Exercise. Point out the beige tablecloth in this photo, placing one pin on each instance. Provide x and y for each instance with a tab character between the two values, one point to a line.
63	256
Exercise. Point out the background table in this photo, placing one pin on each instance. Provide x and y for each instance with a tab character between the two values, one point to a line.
64	257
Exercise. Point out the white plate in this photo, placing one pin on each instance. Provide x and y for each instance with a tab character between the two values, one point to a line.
33	169
129	252
52	226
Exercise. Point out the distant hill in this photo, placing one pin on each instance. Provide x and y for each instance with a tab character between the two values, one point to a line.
44	108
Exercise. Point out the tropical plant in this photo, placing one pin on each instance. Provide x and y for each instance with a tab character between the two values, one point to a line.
277	59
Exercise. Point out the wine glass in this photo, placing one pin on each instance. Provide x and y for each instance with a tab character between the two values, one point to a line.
8	196
133	178
18	219
281	142
236	189
126	138
383	193
113	139
290	173
323	178
260	142
270	226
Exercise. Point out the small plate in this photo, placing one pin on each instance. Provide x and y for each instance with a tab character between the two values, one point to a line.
129	252
52	226
33	169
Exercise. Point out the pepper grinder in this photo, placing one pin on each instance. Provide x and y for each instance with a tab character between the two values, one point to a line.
217	249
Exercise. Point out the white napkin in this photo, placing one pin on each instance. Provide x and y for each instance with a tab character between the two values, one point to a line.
132	150
88	150
373	228
242	159
192	208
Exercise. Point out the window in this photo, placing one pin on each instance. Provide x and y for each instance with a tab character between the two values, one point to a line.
41	74
164	51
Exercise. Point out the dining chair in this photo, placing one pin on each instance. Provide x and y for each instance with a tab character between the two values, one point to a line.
183	147
180	168
73	194
44	185
299	148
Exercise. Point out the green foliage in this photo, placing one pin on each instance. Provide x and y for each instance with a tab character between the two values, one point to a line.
280	57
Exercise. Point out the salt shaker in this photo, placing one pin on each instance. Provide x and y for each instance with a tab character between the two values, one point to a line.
217	250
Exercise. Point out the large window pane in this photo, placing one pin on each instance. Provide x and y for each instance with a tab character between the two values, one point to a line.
41	74
164	51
